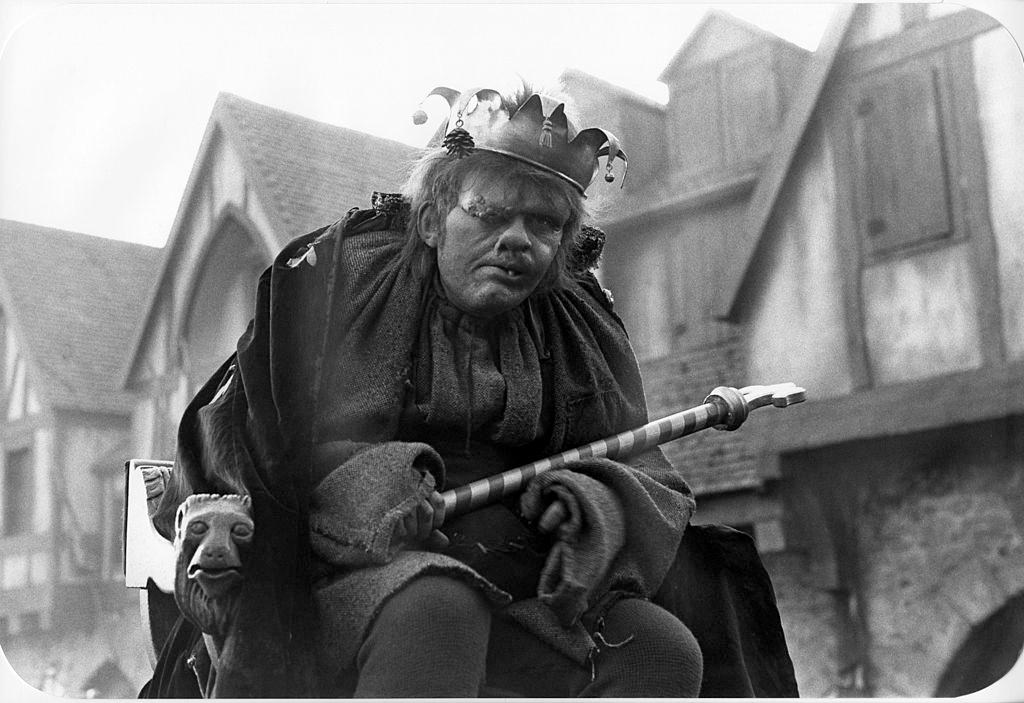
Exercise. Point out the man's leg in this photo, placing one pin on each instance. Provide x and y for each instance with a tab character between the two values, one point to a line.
644	652
429	640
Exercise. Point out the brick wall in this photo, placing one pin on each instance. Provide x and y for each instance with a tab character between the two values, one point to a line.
712	461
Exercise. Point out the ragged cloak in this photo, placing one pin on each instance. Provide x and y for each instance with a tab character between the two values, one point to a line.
251	429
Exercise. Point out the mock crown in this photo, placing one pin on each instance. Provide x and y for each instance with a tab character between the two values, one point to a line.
537	132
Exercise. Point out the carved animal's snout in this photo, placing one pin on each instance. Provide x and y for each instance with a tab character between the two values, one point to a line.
213	535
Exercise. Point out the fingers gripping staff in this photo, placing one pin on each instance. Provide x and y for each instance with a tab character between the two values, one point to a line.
724	409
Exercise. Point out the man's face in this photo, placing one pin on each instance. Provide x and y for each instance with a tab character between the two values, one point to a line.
496	245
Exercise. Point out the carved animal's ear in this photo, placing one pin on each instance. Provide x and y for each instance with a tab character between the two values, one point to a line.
428	224
179	516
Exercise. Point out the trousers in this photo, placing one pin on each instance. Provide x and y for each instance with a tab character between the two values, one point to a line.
437	638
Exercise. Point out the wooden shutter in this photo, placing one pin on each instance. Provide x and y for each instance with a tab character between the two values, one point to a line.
901	160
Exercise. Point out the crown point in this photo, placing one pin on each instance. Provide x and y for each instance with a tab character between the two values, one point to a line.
419	117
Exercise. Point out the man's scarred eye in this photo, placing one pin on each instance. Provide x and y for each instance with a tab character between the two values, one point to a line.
491	217
488	213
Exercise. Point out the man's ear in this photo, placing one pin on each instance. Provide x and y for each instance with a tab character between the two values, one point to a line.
428	224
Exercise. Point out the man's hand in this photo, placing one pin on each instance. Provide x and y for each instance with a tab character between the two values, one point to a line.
419	529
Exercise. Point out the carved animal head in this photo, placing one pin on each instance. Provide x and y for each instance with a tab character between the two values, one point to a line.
213	534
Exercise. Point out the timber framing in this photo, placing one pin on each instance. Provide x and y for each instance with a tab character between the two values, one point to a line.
769	186
828	65
731	189
904	408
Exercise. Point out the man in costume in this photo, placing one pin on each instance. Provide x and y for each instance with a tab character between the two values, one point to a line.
442	336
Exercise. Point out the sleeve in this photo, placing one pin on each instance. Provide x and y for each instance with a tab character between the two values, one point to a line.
623	531
597	391
354	510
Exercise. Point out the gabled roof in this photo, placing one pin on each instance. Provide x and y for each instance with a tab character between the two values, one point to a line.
308	173
75	302
573	78
717	34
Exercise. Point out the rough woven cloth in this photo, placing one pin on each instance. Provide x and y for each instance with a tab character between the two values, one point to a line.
353	514
587	540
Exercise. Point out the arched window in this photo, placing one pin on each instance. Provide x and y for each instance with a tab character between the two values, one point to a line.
221	303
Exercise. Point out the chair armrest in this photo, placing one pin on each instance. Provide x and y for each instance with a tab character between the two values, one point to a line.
147	555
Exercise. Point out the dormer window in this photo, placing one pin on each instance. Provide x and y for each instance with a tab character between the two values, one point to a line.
728	91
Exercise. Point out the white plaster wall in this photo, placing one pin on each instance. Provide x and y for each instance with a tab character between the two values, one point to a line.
42	452
796	325
143	419
226	175
921	316
81	446
10	354
18	388
999	76
641	300
260	220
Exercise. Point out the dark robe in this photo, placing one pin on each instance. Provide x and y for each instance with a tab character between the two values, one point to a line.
328	357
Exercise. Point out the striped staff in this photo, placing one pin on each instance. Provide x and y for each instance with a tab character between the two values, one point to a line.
724	409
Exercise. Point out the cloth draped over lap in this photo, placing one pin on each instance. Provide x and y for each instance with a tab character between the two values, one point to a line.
328	348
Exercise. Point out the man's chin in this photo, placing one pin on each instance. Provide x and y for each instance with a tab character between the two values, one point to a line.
493	301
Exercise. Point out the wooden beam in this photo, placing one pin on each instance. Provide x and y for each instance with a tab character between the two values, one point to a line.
945	31
904	408
730	189
762	203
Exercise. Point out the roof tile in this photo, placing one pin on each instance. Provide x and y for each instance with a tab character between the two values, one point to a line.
78	300
314	172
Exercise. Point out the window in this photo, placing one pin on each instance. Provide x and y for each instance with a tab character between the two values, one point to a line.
900	132
30	622
18	492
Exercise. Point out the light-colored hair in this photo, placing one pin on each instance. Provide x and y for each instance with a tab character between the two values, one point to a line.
437	180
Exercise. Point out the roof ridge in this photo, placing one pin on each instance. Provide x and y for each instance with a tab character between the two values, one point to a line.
240	101
73	234
622	91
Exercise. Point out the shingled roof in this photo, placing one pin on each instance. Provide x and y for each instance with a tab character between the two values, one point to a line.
75	301
306	174
309	173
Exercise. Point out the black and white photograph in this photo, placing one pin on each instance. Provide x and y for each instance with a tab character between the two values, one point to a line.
511	350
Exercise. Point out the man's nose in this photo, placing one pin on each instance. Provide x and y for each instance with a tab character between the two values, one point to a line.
514	237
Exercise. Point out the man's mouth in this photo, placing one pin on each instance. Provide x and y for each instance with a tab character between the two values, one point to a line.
513	272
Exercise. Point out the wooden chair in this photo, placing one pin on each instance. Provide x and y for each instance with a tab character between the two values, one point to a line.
148	557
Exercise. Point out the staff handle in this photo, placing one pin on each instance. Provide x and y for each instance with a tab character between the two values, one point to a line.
725	408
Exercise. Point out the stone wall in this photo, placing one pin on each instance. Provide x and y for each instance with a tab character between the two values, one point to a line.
897	549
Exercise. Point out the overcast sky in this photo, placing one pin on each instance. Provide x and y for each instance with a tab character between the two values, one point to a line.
103	106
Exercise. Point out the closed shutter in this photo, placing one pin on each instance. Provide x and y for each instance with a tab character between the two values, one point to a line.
901	160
